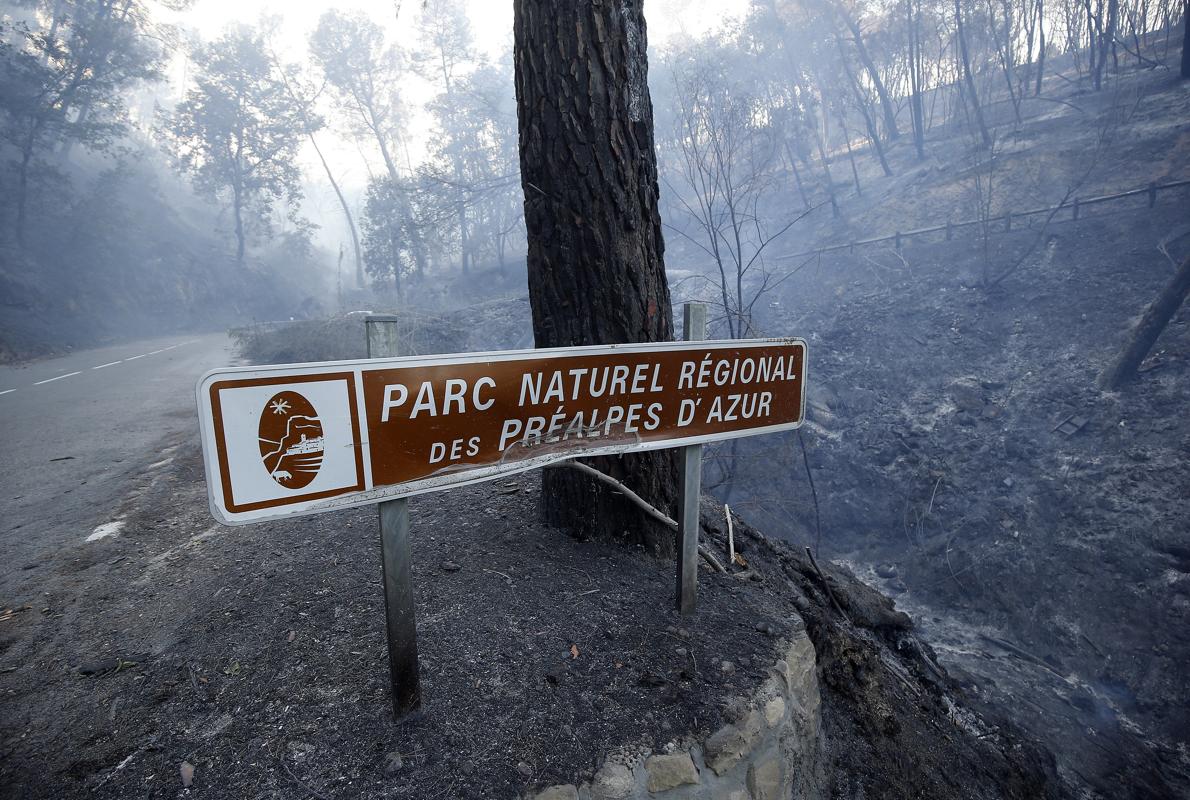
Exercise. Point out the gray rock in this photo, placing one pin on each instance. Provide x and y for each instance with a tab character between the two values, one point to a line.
774	711
393	763
668	772
567	791
886	570
731	743
765	779
524	769
612	782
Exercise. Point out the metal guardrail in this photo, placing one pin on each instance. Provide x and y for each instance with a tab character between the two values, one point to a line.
1075	204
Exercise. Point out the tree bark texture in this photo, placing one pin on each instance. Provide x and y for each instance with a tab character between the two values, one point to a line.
596	274
1156	317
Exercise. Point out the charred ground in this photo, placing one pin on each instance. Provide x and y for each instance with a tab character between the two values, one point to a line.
258	657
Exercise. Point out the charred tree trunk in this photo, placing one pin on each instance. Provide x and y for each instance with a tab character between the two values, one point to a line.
1004	51
1151	325
850	154
1041	45
1186	39
890	116
797	175
238	211
826	168
596	275
1107	38
330	176
869	123
919	134
968	80
355	248
23	186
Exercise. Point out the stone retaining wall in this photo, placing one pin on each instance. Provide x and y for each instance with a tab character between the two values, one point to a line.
770	749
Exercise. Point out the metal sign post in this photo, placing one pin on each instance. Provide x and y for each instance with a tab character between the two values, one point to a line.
396	562
694	327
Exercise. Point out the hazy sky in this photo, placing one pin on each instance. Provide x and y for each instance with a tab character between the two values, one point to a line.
491	20
491	25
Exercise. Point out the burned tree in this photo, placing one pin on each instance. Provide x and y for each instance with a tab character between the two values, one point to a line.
589	174
1144	336
1185	39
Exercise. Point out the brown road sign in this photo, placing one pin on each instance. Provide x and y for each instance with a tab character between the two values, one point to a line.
305	438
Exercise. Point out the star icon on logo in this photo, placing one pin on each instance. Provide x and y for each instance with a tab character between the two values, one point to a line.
280	407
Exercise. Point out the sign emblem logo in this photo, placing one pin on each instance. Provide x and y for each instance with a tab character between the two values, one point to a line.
291	440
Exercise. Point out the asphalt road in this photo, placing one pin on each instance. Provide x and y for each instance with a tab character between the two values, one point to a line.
76	433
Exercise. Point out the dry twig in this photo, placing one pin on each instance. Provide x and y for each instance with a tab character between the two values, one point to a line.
826	585
638	500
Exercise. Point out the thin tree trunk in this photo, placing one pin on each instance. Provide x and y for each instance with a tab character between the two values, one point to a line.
850	154
1106	41
359	261
596	275
1156	317
915	84
1004	51
394	245
23	186
869	123
890	116
1041	45
1185	39
826	168
464	239
797	175
1093	25
968	80
238	205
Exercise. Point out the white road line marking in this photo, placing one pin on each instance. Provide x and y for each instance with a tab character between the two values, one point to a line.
60	377
7	391
155	352
134	358
109	364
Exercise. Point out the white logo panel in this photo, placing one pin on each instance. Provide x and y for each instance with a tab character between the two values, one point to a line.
250	476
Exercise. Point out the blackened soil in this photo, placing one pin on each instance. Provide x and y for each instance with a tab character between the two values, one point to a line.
1046	563
257	656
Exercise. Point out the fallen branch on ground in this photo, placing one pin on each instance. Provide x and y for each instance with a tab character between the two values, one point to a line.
1020	652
